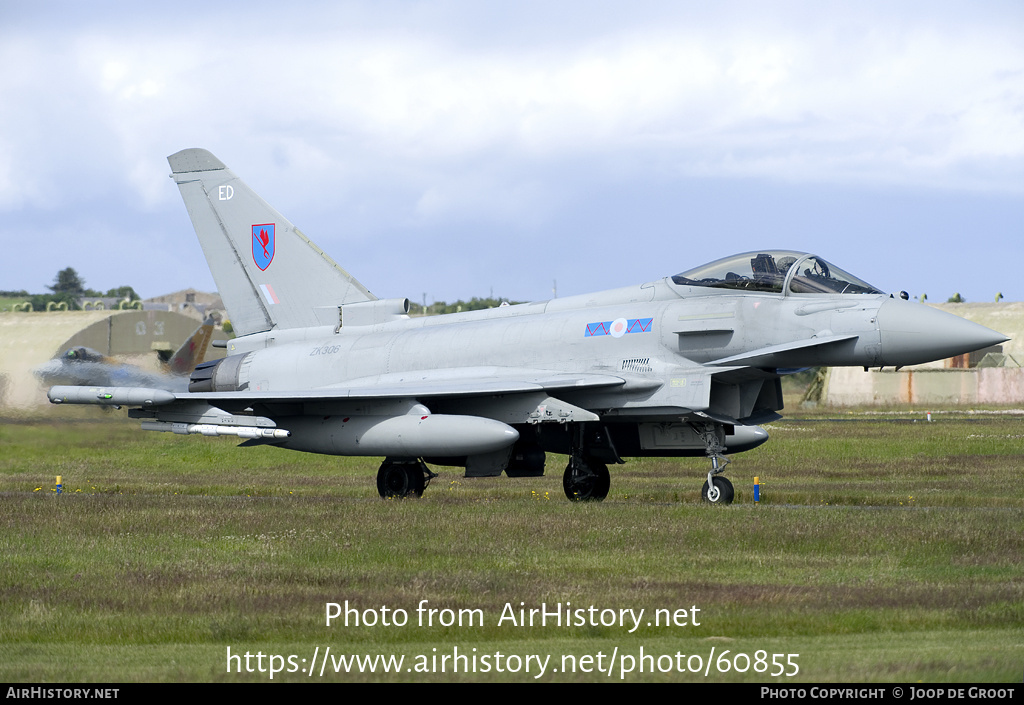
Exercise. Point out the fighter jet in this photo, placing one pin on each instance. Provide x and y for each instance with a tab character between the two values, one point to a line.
686	365
84	366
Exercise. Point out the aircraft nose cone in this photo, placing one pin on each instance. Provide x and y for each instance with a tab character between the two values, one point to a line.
914	333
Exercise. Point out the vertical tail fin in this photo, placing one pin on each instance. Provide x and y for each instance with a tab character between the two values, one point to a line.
268	273
193	350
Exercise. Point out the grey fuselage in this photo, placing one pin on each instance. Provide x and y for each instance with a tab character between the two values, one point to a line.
686	365
670	336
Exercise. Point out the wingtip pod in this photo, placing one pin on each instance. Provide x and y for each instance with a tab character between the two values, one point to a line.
194	159
110	396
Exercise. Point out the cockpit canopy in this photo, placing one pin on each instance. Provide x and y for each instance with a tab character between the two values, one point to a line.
82	354
775	271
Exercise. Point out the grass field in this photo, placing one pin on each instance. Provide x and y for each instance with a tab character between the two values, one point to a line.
7	301
885	548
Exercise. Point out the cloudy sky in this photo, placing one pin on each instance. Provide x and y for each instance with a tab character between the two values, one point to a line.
457	148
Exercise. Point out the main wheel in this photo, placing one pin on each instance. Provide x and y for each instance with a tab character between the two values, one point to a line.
720	493
398	479
586	480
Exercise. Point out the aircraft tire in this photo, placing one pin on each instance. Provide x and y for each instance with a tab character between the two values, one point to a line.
398	480
723	493
588	484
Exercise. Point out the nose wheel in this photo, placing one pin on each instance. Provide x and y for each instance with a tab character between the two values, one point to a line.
717	490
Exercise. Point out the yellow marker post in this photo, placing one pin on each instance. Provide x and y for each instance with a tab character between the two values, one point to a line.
60	485
757	489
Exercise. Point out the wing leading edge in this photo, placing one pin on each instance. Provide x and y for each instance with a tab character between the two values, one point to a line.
384	387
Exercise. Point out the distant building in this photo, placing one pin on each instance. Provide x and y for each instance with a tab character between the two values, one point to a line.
189	302
140	338
101	303
991	376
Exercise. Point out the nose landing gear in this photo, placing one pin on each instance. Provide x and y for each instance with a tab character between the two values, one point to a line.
716	490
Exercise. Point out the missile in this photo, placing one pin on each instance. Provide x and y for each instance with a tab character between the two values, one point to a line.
408	436
210	429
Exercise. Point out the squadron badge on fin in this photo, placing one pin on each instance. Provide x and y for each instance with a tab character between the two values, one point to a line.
263	245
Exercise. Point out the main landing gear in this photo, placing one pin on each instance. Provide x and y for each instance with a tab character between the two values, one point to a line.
586	479
398	479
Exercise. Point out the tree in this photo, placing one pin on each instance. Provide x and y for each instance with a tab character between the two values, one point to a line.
39	301
67	281
474	304
124	292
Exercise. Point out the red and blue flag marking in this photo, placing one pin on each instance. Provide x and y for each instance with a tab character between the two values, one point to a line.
619	327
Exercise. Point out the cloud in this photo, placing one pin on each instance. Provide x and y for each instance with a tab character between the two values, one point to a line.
913	106
410	116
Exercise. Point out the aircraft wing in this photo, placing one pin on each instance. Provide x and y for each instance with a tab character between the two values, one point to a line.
467	382
513	395
509	395
473	381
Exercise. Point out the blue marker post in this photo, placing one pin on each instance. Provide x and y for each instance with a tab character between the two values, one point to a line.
757	489
60	485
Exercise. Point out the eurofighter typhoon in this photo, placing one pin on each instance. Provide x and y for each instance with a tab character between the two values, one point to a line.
85	366
688	365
